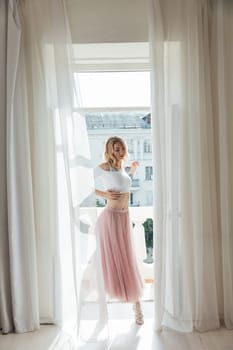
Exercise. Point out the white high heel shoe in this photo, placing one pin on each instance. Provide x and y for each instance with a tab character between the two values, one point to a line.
138	313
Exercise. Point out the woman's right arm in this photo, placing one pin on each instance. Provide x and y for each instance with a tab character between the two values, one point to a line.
109	195
100	193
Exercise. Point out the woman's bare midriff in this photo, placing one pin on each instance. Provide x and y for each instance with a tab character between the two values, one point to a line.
121	203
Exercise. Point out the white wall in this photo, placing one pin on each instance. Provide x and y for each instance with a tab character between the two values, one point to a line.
108	21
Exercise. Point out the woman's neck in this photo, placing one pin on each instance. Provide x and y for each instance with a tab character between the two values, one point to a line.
118	165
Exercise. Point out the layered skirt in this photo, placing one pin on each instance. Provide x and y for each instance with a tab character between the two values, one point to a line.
120	270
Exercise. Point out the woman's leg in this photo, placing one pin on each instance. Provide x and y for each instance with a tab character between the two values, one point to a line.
138	313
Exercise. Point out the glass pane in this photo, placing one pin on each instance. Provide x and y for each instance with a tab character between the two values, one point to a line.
114	89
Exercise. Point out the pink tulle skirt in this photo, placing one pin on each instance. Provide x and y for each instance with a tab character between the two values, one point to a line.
121	273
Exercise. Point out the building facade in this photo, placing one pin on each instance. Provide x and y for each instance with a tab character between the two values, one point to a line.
135	129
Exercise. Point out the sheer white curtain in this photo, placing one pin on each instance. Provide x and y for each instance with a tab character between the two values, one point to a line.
5	302
47	245
191	51
19	289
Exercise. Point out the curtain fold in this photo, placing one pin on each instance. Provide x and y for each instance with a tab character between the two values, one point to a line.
5	296
19	298
191	107
221	63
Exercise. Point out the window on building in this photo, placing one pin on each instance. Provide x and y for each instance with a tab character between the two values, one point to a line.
127	170
149	173
130	144
131	198
147	146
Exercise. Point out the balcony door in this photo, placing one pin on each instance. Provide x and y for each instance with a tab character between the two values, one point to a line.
116	101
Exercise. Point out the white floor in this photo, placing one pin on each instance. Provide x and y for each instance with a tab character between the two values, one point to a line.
124	334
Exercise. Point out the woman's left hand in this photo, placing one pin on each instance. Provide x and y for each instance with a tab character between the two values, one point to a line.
133	167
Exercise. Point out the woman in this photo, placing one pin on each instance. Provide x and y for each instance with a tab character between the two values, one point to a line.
121	274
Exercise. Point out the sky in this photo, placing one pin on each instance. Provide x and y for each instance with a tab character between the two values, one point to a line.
114	89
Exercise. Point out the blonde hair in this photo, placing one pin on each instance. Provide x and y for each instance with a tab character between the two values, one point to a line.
109	148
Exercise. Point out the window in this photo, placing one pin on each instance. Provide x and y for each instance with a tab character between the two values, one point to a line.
149	173
130	146
127	170
147	146
118	103
131	198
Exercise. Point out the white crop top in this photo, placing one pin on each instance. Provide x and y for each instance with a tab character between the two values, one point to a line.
115	180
